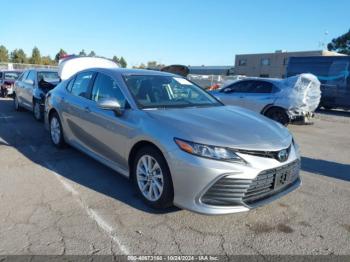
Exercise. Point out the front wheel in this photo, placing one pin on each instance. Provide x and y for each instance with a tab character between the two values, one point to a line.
152	178
278	114
56	131
37	111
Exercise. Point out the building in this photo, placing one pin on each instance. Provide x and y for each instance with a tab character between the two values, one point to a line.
211	70
271	64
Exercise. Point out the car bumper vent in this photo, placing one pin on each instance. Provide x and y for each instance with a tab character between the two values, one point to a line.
229	191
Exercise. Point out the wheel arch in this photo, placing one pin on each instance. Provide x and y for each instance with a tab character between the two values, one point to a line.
136	147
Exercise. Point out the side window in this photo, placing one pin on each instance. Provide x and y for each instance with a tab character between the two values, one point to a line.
81	84
0	75
70	85
261	87
106	87
24	75
32	75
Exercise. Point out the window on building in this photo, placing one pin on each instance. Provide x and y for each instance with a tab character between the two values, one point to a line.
242	62
265	75
265	61
285	60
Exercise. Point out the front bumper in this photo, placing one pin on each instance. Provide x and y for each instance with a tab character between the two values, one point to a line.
215	187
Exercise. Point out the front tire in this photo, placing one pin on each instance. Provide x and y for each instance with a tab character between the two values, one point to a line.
278	114
37	111
56	131
152	178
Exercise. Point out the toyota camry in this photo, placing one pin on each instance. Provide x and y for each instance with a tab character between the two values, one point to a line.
178	144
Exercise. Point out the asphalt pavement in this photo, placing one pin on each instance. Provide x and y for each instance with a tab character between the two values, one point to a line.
63	202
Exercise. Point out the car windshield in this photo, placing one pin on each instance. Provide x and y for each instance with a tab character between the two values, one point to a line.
11	75
48	76
157	91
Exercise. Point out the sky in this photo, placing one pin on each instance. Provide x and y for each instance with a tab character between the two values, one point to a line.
189	32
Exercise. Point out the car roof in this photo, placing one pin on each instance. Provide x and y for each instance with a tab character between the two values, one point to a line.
128	71
41	70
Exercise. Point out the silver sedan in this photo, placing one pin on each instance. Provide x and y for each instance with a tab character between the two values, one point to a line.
178	144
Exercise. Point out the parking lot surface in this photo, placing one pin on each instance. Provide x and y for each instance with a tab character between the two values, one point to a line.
63	202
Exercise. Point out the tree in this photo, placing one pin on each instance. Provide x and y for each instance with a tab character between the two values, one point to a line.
82	53
18	56
60	54
36	56
122	62
154	65
92	53
341	44
115	59
4	54
46	60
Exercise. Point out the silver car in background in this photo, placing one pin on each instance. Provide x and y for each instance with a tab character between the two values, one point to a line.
283	100
30	90
178	144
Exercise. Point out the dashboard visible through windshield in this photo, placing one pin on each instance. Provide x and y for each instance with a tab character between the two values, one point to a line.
157	91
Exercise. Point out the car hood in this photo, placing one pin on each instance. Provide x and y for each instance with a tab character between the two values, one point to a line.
226	126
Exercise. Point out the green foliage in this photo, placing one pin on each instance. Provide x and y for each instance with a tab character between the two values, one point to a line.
46	60
60	54
115	59
82	53
341	44
122	62
4	54
92	54
36	56
18	56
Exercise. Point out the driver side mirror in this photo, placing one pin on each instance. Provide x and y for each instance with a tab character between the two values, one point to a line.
111	104
29	82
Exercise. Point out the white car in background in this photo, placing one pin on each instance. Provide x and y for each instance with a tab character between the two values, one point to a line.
283	100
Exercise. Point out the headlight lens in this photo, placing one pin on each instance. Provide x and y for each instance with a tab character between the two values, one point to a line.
207	151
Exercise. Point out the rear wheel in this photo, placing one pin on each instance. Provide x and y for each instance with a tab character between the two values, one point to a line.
56	131
278	114
16	103
37	111
152	178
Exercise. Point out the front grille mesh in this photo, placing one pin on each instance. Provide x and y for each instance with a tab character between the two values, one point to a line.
229	191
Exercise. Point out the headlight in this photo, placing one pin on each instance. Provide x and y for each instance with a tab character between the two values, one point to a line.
207	151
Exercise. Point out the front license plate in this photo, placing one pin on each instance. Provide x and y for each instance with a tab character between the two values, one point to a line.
283	177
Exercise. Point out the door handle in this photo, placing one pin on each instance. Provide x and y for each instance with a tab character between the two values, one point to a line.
87	109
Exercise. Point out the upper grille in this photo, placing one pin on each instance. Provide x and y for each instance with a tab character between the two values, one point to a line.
229	191
268	154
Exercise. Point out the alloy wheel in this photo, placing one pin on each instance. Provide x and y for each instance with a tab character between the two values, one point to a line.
37	112
55	130
150	178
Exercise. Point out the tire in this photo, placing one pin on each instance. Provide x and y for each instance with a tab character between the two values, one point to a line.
278	114
37	111
56	131
158	189
16	103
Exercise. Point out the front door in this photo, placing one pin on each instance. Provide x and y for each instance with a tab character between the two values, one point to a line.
109	131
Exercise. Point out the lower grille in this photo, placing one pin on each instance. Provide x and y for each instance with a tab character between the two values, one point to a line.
229	191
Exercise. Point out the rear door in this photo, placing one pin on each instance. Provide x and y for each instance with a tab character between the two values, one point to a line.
258	95
75	110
